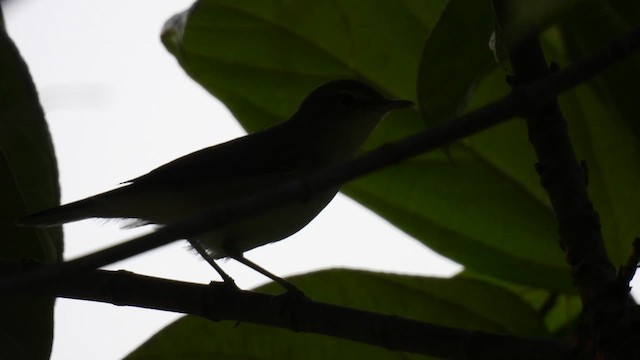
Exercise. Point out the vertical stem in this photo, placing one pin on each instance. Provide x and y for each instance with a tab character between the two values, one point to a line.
562	177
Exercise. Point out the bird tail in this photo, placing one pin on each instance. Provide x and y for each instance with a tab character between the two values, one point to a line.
74	211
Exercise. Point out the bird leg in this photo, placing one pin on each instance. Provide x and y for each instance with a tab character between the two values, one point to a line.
239	257
203	252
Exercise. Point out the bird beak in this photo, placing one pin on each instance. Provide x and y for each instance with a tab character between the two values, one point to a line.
396	104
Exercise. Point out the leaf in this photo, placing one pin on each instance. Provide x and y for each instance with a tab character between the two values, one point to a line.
558	310
261	59
523	18
603	118
454	58
564	309
484	209
28	182
464	303
489	224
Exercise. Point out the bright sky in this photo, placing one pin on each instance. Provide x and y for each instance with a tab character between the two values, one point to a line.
118	105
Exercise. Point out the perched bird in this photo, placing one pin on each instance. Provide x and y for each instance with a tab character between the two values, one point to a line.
329	127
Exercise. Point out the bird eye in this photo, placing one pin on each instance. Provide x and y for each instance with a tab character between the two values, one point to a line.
346	100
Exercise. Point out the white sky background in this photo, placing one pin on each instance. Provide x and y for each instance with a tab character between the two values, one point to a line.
118	105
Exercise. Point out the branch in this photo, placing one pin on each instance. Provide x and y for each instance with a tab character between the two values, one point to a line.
519	102
610	319
561	175
218	302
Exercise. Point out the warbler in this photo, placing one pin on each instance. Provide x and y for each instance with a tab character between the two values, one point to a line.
329	127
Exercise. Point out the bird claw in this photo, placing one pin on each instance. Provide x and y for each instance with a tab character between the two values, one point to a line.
228	285
293	293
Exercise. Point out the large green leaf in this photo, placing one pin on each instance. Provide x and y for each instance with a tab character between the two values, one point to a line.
603	117
262	59
463	303
563	309
522	18
490	223
559	311
28	182
455	56
504	152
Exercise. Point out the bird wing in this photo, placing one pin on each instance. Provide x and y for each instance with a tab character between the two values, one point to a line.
253	155
231	164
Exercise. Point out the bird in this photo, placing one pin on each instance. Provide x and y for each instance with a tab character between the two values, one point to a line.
329	127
